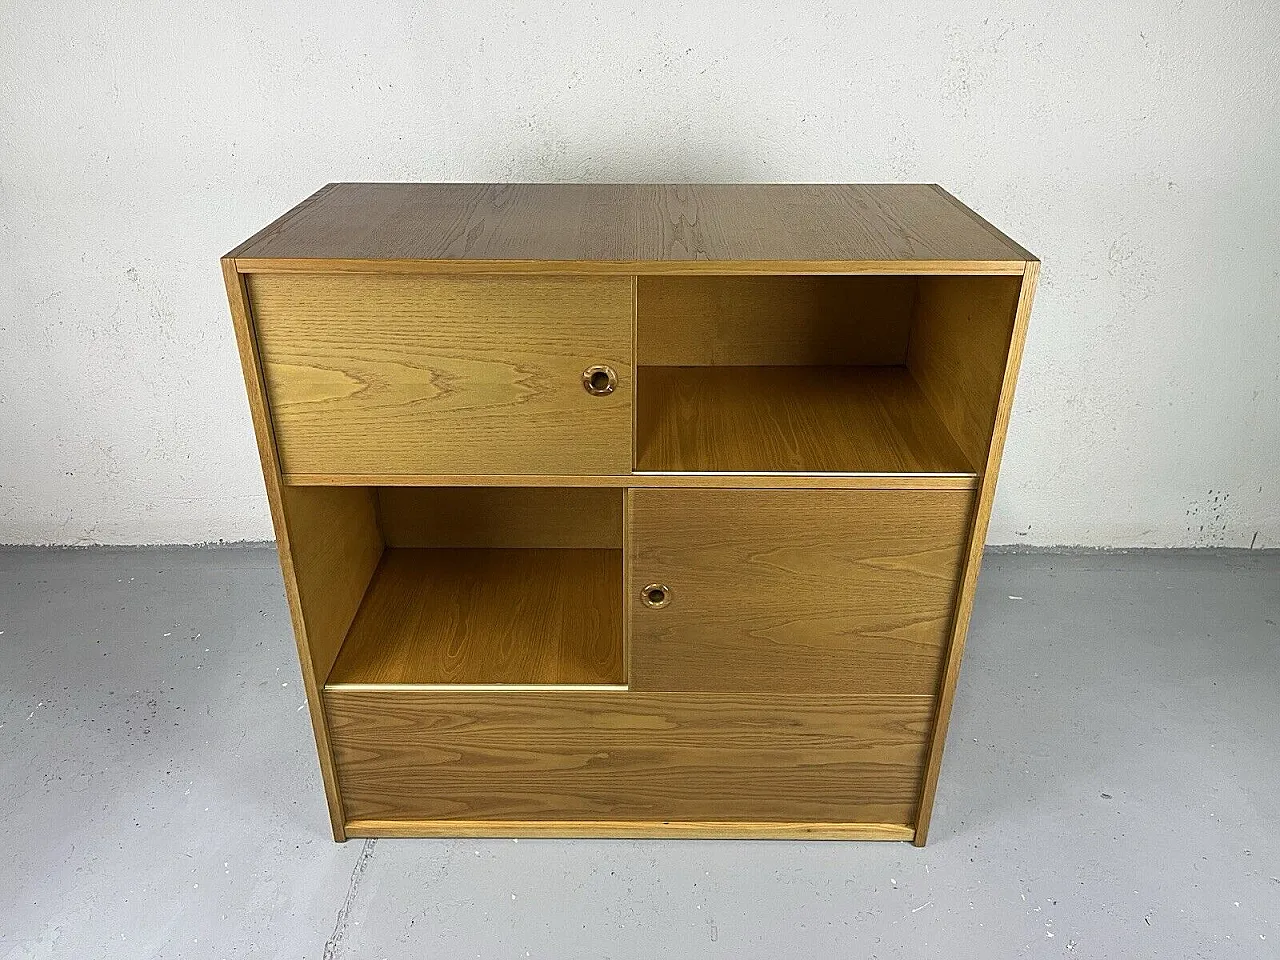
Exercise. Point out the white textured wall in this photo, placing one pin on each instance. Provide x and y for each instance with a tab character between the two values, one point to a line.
1134	147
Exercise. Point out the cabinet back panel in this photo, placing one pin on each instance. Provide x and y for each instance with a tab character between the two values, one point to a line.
771	321
582	517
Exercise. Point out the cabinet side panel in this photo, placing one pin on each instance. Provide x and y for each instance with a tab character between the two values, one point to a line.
335	544
246	342
973	559
959	350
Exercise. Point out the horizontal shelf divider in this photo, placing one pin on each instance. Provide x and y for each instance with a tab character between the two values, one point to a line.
477	687
855	481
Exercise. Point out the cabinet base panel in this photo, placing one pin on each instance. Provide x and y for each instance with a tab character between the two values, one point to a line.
629	829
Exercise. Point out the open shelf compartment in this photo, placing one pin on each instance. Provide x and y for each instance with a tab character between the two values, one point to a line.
811	419
819	374
484	587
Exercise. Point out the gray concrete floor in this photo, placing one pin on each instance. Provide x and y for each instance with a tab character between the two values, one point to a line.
1109	790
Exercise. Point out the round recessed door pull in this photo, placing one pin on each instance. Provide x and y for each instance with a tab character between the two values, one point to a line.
656	595
599	380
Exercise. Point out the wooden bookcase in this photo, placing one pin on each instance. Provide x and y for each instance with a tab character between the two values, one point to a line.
630	510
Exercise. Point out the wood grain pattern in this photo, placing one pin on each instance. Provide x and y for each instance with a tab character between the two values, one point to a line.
250	363
793	591
635	268
973	558
335	548
790	419
460	616
815	387
959	347
622	226
570	517
276	225
799	480
991	228
769	321
625	756
631	829
445	374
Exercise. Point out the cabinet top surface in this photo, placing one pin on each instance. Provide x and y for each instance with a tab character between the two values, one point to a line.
602	227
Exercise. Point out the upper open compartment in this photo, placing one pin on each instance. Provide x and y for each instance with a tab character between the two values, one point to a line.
820	374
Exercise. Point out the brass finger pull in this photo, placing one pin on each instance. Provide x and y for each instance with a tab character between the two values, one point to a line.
599	380
656	595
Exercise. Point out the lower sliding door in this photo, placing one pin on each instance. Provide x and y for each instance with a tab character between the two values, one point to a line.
792	591
621	763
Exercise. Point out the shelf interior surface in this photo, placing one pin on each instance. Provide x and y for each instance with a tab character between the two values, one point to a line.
789	419
488	616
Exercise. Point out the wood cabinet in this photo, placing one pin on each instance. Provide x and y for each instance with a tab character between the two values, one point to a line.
630	510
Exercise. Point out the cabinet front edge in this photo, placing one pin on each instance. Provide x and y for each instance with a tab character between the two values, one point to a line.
635	267
631	829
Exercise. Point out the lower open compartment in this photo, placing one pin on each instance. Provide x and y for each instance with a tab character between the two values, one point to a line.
477	587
